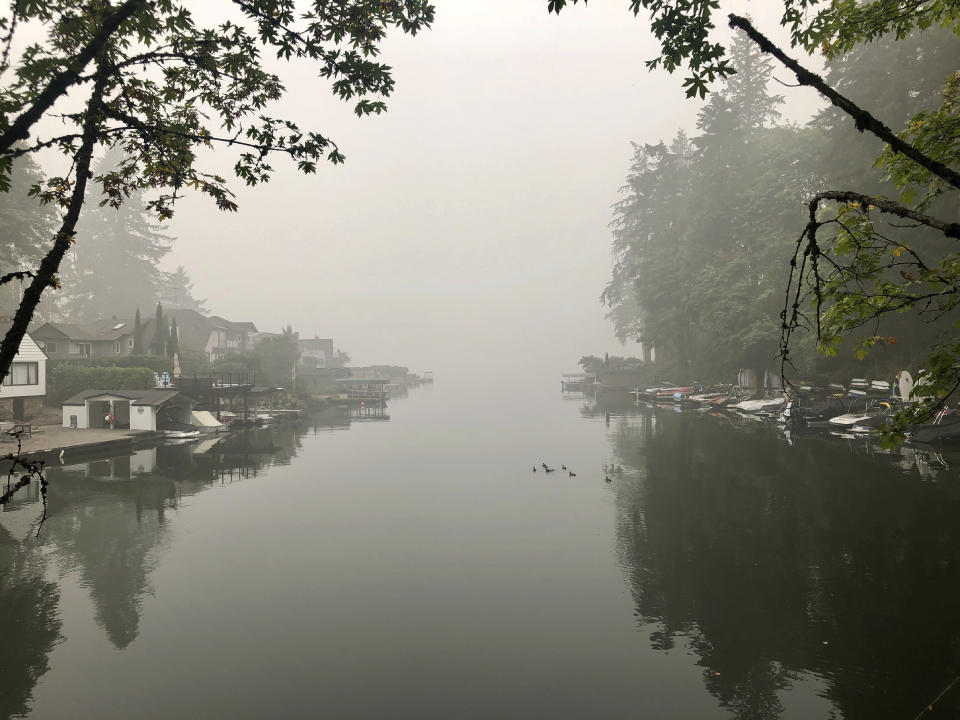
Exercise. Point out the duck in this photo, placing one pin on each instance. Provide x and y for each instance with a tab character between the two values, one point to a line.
606	478
572	473
534	468
563	467
549	469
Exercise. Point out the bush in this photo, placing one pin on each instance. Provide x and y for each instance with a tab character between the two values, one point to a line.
65	380
156	363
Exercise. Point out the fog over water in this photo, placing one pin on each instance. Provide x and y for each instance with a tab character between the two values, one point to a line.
468	226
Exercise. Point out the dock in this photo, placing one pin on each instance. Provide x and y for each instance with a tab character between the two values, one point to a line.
50	440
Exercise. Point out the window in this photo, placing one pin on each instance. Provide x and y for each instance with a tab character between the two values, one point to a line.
50	347
116	348
80	349
23	373
130	343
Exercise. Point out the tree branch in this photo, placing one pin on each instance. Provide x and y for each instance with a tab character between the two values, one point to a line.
44	276
61	82
863	119
891	208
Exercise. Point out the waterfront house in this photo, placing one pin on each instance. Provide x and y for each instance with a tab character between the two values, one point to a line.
109	337
24	387
355	389
315	353
132	409
214	336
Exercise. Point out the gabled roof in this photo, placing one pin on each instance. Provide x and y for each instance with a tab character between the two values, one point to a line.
325	344
230	325
99	330
153	398
193	327
28	350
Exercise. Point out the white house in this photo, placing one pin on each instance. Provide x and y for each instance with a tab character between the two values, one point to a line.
23	390
131	409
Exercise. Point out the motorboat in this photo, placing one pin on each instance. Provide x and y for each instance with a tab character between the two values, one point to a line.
858	417
761	405
180	434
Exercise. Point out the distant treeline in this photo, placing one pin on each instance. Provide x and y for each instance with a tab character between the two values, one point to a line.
704	233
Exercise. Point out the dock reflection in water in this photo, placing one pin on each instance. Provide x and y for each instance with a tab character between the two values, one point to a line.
781	563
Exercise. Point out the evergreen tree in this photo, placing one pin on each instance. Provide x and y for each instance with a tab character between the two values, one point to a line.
160	333
137	334
24	227
697	234
173	346
177	291
114	262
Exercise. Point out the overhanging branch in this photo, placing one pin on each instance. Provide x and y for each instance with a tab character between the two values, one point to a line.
862	118
61	82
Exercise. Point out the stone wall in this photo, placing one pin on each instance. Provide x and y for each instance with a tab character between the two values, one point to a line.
31	407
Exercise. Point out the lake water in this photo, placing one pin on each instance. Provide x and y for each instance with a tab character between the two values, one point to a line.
416	567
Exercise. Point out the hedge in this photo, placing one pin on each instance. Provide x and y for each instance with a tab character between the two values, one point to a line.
65	380
156	363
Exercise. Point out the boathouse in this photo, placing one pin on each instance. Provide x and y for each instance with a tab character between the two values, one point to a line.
356	389
131	409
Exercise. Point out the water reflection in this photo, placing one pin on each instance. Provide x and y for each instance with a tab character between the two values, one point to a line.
107	525
776	562
29	625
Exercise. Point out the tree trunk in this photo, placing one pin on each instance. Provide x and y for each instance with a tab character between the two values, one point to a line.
44	277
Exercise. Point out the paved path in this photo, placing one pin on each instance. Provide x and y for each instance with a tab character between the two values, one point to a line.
53	438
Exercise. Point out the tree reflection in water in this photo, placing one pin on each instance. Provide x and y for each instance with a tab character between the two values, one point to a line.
106	523
775	561
29	625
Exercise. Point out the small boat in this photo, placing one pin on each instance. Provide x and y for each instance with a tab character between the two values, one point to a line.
881	410
673	393
762	405
180	434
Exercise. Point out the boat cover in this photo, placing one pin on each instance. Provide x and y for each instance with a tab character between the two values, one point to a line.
203	418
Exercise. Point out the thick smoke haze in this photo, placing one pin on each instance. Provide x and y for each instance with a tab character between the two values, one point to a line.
469	224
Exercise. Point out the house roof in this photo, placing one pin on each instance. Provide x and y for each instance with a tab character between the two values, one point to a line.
153	398
28	350
194	329
105	329
324	344
231	325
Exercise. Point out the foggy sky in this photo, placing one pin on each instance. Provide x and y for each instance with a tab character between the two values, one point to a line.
469	225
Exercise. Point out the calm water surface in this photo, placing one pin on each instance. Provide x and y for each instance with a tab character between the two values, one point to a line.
417	568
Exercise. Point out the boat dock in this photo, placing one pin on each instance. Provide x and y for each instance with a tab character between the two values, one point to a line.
50	440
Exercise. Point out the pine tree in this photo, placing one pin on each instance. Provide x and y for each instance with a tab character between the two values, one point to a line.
114	264
173	346
137	334
178	291
160	333
24	228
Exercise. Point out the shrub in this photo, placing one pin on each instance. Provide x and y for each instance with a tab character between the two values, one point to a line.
65	380
156	363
